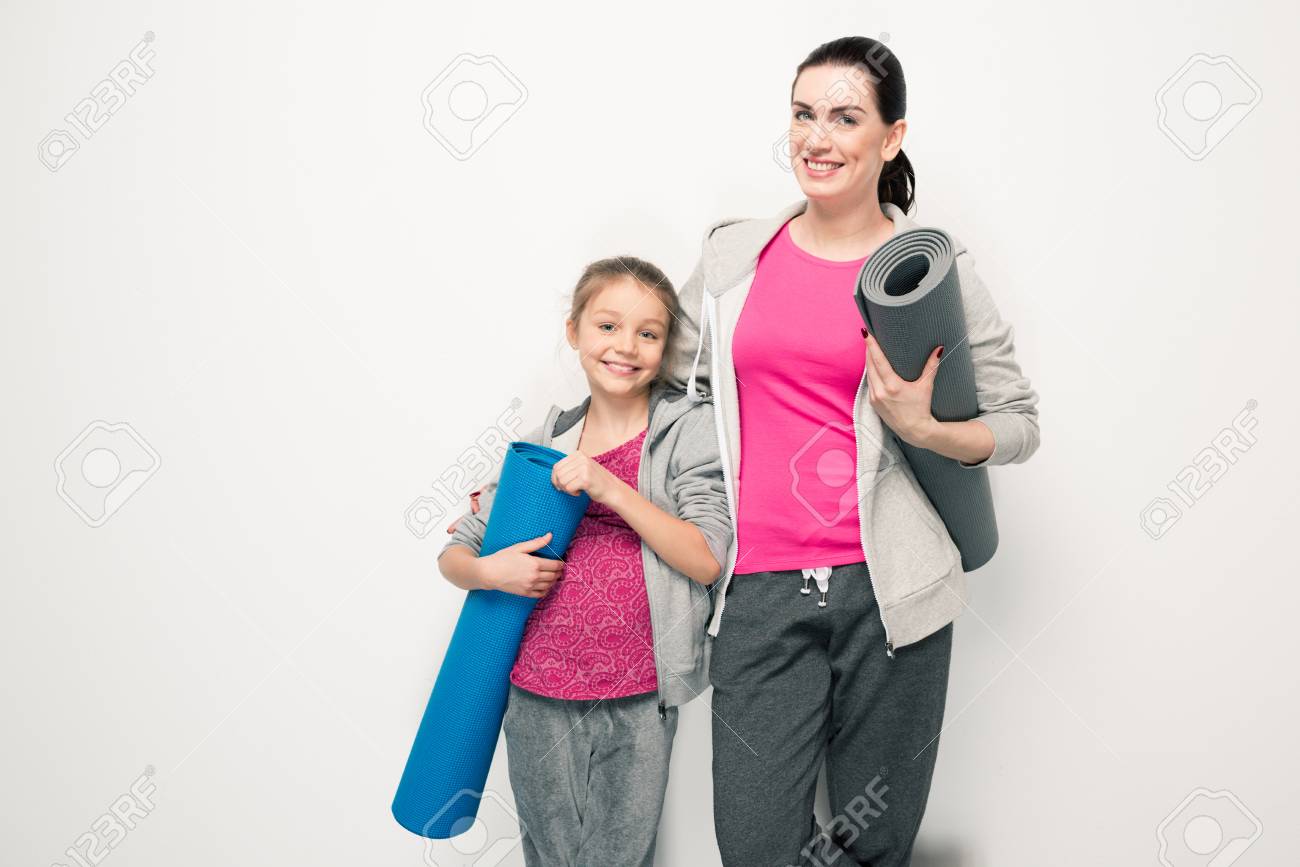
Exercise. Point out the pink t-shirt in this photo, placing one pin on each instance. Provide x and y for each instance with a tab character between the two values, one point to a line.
799	357
590	636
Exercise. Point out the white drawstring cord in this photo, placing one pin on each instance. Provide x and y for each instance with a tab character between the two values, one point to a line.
820	574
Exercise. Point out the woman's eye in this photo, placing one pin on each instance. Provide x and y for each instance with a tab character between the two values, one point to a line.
851	121
798	115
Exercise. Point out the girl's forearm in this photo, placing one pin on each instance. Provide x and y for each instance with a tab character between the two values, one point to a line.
968	441
462	567
680	543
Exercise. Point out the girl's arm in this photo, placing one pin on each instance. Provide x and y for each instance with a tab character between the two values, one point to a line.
680	543
511	570
698	542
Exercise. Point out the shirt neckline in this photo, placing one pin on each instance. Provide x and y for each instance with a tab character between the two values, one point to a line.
621	445
839	264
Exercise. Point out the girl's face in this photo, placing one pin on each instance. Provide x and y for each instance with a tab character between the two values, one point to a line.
620	337
838	141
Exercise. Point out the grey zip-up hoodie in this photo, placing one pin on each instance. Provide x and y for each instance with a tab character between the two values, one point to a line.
681	473
915	566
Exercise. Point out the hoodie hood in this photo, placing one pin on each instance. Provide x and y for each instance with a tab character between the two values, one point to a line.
667	404
731	245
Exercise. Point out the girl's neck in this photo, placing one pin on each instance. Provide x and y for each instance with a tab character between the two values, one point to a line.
841	232
617	417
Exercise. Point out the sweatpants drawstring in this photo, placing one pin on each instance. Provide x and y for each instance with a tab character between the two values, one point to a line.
820	574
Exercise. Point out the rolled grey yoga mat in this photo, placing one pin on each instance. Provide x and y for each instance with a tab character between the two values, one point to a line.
910	298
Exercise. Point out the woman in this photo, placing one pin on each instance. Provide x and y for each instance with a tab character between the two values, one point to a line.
855	674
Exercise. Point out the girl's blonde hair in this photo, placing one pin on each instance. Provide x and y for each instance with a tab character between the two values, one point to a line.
599	273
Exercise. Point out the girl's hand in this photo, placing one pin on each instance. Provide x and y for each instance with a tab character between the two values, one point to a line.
473	507
578	472
516	570
903	406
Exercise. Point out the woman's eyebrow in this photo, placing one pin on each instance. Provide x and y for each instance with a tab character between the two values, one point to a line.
833	108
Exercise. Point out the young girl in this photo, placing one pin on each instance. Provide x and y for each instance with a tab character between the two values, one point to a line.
617	640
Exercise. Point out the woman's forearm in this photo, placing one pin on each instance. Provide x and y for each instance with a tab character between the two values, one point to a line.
462	567
680	543
968	441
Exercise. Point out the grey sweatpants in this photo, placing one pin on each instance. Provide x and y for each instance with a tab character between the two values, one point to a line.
588	777
793	684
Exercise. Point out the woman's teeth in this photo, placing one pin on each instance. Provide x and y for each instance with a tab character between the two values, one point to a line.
620	368
822	167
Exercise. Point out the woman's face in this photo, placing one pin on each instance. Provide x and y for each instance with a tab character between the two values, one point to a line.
620	337
838	141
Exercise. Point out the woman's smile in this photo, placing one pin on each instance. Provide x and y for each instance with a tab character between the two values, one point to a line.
821	168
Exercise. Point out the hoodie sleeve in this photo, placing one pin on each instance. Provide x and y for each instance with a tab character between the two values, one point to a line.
1007	402
695	481
471	526
679	357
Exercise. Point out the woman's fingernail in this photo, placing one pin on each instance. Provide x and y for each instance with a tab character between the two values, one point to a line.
864	333
941	351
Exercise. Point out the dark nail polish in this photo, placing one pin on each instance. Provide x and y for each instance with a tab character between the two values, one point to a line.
941	352
864	333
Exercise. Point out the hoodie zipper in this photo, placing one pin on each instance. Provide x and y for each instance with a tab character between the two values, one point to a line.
710	316
642	469
871	576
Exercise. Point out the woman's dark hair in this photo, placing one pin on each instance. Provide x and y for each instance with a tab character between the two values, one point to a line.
882	75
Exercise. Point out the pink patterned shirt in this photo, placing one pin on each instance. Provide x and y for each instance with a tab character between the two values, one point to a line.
590	637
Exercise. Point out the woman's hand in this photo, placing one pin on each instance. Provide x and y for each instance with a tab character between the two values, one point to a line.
577	472
516	570
903	406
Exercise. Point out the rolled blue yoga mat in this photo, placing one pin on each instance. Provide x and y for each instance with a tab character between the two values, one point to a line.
910	298
439	793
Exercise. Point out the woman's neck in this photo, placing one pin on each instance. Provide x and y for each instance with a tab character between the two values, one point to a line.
841	233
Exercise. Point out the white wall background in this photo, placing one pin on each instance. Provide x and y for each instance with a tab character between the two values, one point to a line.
268	268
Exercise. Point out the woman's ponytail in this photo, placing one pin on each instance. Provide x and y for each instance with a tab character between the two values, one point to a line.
880	67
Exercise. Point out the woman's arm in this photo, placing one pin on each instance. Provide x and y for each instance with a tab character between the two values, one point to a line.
970	442
1006	429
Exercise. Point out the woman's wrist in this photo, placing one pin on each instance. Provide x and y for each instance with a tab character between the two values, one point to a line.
970	441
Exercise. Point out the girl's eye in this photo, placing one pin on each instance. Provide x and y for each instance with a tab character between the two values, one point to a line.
649	334
603	324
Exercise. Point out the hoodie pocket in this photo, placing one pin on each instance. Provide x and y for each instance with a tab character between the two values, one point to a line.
912	547
687	610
